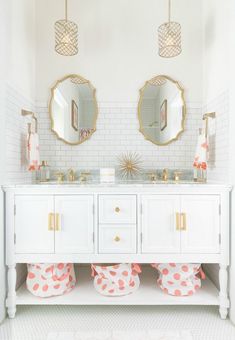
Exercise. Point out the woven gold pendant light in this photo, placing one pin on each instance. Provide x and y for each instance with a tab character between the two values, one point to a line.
66	35
169	37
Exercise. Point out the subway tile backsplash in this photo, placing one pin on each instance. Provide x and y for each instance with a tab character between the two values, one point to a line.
16	136
118	132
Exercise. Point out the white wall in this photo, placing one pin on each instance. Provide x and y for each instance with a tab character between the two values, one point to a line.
17	73
231	18
21	47
216	81
218	95
3	38
216	48
118	47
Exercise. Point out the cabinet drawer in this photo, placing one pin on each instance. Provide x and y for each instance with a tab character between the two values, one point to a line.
117	209
117	240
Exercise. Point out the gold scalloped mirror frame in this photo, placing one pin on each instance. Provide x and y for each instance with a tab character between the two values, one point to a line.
153	81
81	80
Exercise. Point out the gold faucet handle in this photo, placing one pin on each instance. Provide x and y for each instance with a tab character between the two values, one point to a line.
84	176
152	176
177	175
60	176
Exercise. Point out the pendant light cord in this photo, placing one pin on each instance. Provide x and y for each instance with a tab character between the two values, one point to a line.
169	11
66	10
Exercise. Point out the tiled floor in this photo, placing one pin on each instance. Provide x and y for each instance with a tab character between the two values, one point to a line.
35	322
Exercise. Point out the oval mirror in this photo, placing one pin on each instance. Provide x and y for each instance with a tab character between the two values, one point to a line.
161	110
73	109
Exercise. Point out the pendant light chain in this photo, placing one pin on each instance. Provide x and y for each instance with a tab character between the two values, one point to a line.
169	11
66	10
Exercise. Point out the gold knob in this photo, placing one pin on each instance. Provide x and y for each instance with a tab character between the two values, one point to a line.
117	239
117	209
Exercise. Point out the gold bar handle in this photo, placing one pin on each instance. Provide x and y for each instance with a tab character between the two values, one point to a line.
177	218
57	222
51	221
183	219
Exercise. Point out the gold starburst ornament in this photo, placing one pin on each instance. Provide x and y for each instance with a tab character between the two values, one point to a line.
129	165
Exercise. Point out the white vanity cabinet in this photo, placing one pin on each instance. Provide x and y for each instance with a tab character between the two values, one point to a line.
143	224
181	224
48	224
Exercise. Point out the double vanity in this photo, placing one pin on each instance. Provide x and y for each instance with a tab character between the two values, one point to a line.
115	223
144	222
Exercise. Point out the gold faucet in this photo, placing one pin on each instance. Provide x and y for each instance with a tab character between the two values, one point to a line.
177	176
71	175
83	176
165	175
60	177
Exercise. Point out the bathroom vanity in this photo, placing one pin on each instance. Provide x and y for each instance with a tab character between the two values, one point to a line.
114	223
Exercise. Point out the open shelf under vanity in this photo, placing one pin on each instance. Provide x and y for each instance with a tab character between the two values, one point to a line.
148	293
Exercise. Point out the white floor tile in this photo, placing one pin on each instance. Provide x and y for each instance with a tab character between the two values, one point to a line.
36	322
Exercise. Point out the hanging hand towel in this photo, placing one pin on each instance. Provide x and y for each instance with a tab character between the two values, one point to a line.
33	152
200	160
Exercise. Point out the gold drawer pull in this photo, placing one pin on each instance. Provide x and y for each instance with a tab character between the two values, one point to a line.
51	221
177	216
57	222
117	239
183	219
117	209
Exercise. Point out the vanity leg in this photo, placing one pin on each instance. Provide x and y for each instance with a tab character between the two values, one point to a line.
223	295
11	295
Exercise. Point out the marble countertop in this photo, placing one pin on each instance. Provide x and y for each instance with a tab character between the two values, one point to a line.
118	184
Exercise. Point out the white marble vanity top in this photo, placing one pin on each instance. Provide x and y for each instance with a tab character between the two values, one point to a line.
119	186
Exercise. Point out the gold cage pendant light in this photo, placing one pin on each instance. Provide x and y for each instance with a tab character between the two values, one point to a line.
66	35
169	37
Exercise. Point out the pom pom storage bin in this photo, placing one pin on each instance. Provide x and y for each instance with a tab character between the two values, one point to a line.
49	279
179	279
117	279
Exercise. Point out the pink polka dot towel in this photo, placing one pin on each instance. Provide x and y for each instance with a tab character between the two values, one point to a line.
46	280
116	280
179	279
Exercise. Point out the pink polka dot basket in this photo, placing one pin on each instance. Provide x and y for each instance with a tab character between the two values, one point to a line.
46	280
116	280
179	279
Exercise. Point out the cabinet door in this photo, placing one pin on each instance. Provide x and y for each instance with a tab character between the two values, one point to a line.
200	224
74	224
33	217
159	230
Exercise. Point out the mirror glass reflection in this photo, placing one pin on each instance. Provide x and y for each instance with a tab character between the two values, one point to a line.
73	109
161	110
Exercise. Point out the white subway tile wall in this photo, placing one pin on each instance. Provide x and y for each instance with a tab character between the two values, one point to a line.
16	136
219	142
219	153
118	132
